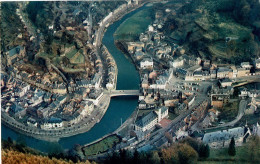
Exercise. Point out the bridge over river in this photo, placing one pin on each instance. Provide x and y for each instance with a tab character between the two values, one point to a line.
114	93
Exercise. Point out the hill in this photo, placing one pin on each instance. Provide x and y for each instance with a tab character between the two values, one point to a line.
222	30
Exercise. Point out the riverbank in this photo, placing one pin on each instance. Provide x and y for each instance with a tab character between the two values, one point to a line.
56	134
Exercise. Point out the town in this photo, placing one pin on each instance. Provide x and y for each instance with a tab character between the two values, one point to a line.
179	95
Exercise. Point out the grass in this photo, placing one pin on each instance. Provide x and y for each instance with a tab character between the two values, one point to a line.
79	59
101	146
138	22
229	111
143	112
70	54
221	156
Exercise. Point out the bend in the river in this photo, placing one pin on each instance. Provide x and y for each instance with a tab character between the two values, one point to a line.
119	108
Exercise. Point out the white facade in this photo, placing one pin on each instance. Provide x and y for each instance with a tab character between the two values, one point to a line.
24	90
150	28
146	63
257	63
246	65
52	125
178	63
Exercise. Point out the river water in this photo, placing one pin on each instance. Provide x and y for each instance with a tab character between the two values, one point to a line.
119	108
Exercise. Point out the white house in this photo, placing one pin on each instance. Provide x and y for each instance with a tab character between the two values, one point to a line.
32	122
150	28
246	65
53	123
146	63
178	62
257	63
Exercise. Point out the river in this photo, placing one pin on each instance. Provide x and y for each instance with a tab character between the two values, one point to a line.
119	108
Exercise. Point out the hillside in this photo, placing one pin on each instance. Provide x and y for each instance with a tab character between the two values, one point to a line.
223	30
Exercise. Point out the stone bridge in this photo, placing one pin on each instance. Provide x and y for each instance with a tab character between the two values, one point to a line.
114	93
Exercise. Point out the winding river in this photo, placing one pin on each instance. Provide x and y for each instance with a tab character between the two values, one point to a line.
119	108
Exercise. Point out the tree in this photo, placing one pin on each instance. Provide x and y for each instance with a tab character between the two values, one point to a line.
204	151
169	137
136	157
192	142
187	154
253	150
232	148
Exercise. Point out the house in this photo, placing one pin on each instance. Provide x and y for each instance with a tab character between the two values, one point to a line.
246	65
257	63
150	28
219	97
96	97
198	76
242	72
213	74
220	139
24	90
225	82
32	122
144	37
151	119
223	72
52	123
14	54
139	55
131	46
234	69
146	63
178	62
256	129
17	110
142	104
145	83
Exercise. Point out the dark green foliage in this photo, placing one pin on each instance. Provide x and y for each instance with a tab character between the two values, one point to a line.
232	148
204	151
33	8
192	142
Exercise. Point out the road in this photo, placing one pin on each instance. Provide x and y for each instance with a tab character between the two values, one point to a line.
241	112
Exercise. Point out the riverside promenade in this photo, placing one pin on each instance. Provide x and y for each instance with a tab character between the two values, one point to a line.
54	135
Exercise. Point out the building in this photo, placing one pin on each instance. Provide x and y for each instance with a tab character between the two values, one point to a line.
246	65
178	62
225	82
151	119
242	72
52	123
146	63
32	122
14	54
256	129
221	96
257	63
220	139
223	72
131	46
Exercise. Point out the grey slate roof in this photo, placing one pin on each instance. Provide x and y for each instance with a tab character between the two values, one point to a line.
146	119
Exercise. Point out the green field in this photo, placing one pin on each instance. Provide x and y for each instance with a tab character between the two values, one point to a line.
229	111
131	28
101	146
221	156
70	54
